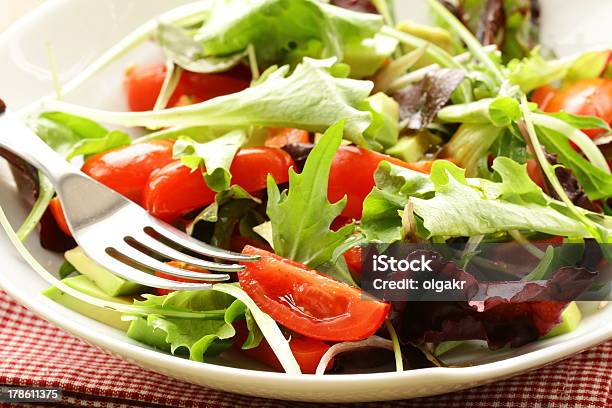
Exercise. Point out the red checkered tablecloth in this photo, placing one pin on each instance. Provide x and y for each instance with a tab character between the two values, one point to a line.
36	353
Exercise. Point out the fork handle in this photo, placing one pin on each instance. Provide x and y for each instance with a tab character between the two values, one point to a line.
19	139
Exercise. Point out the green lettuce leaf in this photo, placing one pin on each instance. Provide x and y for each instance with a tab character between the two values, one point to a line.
279	28
214	158
535	71
200	337
301	218
459	209
449	204
310	98
180	47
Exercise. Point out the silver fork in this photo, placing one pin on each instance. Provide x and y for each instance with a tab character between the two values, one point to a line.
112	230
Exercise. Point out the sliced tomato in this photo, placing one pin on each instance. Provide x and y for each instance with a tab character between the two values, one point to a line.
307	352
592	97
58	214
182	265
543	95
143	84
309	303
175	190
127	169
281	137
352	174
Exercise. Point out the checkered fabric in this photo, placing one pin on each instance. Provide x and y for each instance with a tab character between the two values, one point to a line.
35	353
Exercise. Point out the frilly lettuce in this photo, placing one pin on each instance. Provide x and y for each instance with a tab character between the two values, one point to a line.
449	204
214	157
279	31
309	98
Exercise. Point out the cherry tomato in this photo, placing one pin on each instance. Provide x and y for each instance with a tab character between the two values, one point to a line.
534	172
592	97
307	352
543	95
353	260
58	213
127	169
281	137
352	174
175	190
143	84
308	302
182	265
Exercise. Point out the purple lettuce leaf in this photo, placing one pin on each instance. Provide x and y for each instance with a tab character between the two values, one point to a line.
510	313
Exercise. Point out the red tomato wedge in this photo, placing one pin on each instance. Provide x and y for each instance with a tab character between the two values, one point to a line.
144	82
307	352
127	169
58	214
308	302
175	190
352	174
592	97
281	137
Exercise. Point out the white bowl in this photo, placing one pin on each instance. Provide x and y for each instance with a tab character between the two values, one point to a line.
79	31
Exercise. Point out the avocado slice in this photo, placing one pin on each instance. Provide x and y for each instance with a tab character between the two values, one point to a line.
83	284
139	330
110	283
571	318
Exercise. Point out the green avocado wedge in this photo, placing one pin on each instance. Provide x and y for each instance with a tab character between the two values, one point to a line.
571	318
83	284
111	284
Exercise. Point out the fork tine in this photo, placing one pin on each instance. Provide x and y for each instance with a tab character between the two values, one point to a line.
150	244
132	274
145	261
179	237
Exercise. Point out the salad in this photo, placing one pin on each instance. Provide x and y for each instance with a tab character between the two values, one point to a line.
302	131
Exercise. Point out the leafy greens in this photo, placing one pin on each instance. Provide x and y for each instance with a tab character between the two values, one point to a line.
301	218
309	98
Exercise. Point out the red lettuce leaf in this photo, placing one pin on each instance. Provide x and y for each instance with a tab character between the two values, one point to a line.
364	6
420	102
502	313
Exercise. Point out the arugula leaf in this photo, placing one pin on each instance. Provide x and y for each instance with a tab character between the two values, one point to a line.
180	47
214	158
69	136
278	28
581	122
310	98
301	218
597	183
